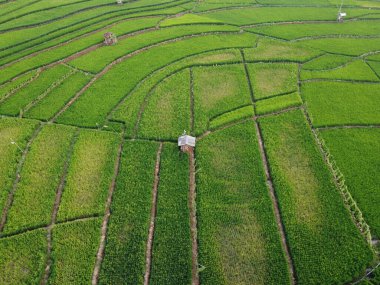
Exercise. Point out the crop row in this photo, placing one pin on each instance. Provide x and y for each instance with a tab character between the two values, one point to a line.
130	72
325	245
238	239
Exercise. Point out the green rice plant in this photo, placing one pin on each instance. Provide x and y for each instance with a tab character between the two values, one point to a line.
95	104
124	260
167	112
40	176
274	50
218	90
301	30
105	55
319	229
270	79
278	103
239	242
188	19
89	175
248	16
171	256
12	130
46	108
326	61
10	87
344	46
231	116
75	245
342	103
356	70
375	67
23	258
354	152
15	104
375	57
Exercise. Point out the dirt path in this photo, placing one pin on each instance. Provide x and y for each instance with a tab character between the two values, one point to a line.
18	177
193	220
57	202
149	245
102	244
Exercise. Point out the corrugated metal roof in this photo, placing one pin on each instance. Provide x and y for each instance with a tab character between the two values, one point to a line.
186	140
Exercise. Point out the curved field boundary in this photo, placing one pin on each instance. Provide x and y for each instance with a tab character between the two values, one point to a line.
18	177
54	213
102	244
347	127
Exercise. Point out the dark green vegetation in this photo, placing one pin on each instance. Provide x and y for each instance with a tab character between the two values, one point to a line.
88	138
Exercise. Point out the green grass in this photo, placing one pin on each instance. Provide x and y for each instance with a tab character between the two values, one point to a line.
188	19
171	262
232	116
167	113
46	108
9	87
356	70
238	238
355	151
92	107
217	90
262	77
295	31
320	232
15	104
40	177
23	258
89	175
326	61
278	103
375	67
74	251
18	131
336	103
124	260
274	50
96	60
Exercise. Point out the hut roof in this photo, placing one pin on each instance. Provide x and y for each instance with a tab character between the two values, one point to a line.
186	140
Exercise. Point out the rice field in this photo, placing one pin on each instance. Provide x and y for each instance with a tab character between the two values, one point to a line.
281	187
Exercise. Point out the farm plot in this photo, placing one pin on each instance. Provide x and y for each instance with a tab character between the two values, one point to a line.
92	107
231	117
356	70
272	79
74	251
326	61
356	154
278	103
23	258
124	260
89	175
325	245
10	87
218	90
238	238
20	132
167	113
46	81
171	256
340	103
40	177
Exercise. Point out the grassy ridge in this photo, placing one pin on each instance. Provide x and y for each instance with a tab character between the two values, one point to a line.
355	151
238	238
171	256
278	103
35	193
325	245
124	260
23	258
233	116
18	131
89	176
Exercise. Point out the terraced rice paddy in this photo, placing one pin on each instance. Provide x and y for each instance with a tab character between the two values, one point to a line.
282	187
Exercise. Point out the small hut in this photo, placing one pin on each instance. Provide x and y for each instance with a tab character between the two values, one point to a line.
110	39
186	143
341	16
119	2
